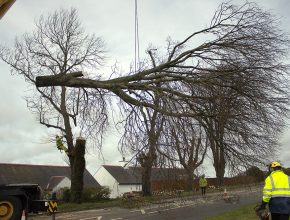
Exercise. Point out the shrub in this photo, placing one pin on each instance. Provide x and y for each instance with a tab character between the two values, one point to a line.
90	194
64	194
46	194
256	173
95	194
287	171
103	193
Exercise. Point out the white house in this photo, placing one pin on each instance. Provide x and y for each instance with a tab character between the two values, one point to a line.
57	182
118	179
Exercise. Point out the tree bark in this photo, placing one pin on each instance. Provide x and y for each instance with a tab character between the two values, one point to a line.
147	162
189	180
146	179
77	171
219	165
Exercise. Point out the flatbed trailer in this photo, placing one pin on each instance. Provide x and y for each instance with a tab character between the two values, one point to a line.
16	199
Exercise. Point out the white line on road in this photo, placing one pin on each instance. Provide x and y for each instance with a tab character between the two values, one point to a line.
94	210
98	217
163	210
116	218
136	210
152	212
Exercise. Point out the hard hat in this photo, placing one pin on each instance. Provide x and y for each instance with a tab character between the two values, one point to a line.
275	164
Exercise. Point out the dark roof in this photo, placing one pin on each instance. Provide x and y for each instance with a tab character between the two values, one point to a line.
123	176
133	175
39	174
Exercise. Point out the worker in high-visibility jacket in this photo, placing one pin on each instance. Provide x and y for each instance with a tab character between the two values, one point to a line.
60	145
203	184
276	193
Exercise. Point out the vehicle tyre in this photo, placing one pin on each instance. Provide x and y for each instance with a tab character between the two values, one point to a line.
10	208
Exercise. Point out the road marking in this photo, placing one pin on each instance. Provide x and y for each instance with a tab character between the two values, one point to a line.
94	210
163	210
152	212
136	210
116	218
98	217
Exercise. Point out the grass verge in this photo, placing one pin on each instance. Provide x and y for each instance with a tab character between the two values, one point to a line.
140	201
243	213
68	207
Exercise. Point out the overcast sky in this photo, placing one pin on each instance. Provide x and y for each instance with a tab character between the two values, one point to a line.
22	139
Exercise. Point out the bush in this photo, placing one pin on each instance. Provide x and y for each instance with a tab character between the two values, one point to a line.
287	171
64	194
90	194
256	173
103	193
46	194
95	194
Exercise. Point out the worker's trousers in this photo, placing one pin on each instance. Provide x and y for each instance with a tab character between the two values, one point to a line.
203	189
276	216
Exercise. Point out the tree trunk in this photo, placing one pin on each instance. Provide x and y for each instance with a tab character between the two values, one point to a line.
146	179
219	165
147	170
189	180
219	162
77	171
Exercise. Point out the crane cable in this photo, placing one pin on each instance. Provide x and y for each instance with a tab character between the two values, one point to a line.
137	57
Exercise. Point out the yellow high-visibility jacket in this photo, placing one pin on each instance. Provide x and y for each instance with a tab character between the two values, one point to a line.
276	192
60	145
202	182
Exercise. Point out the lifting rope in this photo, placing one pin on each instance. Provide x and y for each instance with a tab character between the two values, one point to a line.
137	57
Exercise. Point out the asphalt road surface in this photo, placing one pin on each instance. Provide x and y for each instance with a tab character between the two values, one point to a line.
197	208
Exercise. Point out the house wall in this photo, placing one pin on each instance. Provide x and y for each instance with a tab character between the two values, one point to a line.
129	188
64	183
104	178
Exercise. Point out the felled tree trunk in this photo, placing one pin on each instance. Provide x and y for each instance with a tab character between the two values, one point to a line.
77	175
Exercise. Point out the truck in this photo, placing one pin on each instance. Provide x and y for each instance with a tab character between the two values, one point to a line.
17	200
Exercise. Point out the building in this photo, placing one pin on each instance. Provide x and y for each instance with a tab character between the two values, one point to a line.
121	180
118	179
47	177
57	182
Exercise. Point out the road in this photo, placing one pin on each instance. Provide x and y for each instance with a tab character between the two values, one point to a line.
197	208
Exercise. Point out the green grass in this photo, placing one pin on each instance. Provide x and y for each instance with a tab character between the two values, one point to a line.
243	213
68	207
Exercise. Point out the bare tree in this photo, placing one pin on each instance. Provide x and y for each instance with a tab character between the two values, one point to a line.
190	142
244	130
244	46
141	136
185	141
244	33
59	46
